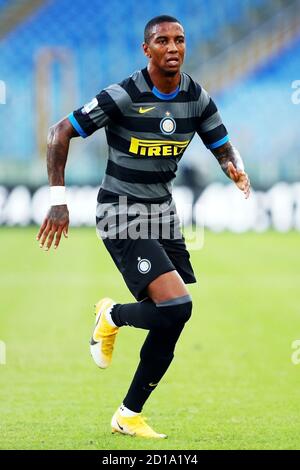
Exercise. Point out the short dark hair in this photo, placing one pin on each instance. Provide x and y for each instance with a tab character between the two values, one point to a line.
156	20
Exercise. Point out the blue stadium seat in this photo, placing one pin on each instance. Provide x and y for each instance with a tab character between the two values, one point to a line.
106	47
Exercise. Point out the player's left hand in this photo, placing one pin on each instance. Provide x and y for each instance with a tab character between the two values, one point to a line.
240	178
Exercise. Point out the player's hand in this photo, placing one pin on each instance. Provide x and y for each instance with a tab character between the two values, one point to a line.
240	178
55	223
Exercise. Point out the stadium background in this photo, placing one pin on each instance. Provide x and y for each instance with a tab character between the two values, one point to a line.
55	56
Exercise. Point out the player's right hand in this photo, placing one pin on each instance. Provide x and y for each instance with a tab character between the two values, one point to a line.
55	223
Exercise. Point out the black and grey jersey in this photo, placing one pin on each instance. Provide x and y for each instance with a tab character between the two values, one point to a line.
148	131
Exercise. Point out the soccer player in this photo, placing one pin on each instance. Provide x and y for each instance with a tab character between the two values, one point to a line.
149	119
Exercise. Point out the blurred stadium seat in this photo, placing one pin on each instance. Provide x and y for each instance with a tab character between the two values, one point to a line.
62	53
262	120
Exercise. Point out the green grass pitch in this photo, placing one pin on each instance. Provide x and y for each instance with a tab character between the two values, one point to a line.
232	384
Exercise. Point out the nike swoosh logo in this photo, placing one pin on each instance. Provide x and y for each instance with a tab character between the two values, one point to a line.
153	385
122	429
145	110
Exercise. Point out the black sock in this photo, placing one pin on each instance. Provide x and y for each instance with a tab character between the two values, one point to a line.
165	322
156	356
139	314
148	315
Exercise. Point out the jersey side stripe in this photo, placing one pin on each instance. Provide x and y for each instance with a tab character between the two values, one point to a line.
138	176
192	94
149	124
105	196
143	164
117	142
141	123
126	134
149	97
136	190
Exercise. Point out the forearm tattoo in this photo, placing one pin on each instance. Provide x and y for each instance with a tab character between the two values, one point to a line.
57	153
227	153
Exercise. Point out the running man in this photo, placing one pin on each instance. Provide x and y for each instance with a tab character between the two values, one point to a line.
149	119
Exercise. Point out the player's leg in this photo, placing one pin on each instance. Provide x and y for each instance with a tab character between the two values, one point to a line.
148	271
161	262
140	262
167	286
168	295
170	299
155	357
156	312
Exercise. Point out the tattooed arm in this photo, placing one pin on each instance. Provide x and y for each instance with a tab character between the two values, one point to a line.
57	219
233	167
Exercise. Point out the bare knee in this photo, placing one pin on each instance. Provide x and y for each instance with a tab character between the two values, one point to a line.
167	286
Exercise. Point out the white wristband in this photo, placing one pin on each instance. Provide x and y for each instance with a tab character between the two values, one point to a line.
57	195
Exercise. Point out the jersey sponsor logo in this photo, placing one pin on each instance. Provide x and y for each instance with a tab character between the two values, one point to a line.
157	148
145	110
87	108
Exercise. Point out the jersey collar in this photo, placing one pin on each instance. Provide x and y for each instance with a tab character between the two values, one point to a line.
155	91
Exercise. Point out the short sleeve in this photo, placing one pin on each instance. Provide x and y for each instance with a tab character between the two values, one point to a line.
105	107
210	126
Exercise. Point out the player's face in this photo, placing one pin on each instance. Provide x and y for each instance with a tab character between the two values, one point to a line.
166	47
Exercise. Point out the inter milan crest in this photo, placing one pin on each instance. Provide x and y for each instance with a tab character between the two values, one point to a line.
168	124
144	265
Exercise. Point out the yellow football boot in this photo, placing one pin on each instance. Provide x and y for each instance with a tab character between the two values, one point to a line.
104	335
133	426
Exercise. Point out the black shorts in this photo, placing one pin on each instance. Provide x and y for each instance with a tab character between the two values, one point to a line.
141	261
